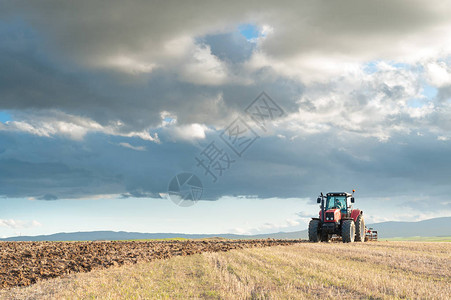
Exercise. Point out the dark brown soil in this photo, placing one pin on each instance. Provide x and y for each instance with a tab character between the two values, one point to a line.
24	263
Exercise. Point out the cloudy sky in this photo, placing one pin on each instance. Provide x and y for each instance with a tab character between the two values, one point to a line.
102	104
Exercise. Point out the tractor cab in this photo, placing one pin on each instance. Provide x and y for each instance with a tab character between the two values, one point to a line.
341	201
337	206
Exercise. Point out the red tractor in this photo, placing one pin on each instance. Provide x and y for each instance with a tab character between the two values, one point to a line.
337	217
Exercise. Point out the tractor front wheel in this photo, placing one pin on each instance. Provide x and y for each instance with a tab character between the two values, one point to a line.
360	229
348	231
313	231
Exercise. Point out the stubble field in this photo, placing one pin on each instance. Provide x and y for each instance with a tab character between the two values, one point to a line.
376	270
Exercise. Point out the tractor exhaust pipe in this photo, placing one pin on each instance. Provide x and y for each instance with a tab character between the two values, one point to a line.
322	207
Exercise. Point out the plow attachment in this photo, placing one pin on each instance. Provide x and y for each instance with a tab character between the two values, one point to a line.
371	235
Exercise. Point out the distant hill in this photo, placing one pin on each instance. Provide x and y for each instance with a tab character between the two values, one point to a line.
430	227
123	235
108	235
426	228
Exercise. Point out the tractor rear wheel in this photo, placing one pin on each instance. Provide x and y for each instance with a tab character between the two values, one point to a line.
313	231
348	231
360	229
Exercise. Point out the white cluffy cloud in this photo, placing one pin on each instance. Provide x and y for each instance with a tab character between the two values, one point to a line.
18	224
137	148
204	68
372	104
57	123
439	73
288	224
189	132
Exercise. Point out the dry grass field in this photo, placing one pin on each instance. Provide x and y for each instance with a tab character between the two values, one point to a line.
378	270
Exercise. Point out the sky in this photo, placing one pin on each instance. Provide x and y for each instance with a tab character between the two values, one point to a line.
104	106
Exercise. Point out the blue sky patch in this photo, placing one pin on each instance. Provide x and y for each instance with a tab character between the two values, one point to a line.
429	91
371	67
400	65
249	31
416	103
4	116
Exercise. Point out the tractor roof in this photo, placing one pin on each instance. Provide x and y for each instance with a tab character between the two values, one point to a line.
339	194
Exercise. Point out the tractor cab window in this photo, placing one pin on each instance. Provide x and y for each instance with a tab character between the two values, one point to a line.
334	202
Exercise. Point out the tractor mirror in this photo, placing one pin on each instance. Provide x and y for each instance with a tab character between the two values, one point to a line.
352	200
318	200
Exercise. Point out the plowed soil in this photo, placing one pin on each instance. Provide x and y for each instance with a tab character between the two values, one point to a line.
24	263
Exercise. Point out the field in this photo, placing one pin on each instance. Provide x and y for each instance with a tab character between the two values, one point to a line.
422	239
377	270
24	263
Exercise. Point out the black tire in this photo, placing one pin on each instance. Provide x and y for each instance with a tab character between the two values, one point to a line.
325	237
360	229
348	231
313	231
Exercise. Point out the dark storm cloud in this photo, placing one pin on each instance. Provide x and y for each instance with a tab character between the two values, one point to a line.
38	167
325	162
272	167
232	47
33	179
444	93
